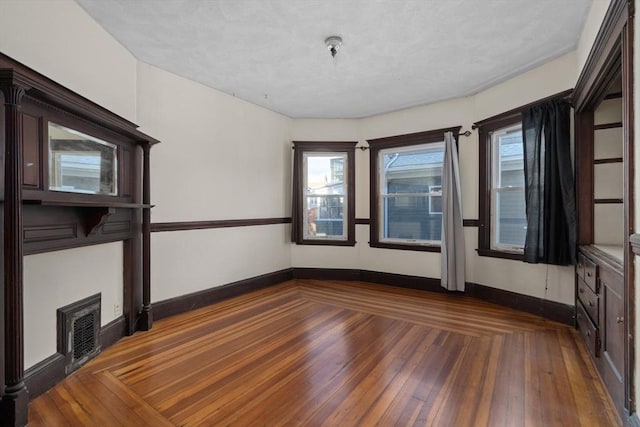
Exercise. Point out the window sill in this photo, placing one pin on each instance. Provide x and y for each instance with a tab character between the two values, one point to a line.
327	242
500	254
405	247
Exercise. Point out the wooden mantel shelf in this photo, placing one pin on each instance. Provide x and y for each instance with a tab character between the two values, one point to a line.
89	204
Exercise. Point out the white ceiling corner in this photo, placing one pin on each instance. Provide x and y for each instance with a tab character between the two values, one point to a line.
396	53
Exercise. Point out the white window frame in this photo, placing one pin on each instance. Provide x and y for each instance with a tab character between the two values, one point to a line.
383	195
497	189
305	196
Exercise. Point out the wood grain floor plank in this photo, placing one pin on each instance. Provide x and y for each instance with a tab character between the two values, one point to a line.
331	353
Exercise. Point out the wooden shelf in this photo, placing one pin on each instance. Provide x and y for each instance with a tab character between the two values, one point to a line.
89	204
608	201
607	126
608	160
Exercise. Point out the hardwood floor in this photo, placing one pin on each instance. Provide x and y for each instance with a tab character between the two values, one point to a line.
337	354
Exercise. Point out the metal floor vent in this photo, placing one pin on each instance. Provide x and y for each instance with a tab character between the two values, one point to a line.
79	332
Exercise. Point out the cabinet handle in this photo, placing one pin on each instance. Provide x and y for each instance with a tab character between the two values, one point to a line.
581	290
588	274
590	304
619	320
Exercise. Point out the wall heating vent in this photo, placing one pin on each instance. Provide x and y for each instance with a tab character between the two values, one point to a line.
79	332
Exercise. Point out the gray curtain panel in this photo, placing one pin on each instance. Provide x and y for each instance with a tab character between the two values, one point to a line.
452	250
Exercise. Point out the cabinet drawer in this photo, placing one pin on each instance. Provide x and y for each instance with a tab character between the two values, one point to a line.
590	301
588	270
588	330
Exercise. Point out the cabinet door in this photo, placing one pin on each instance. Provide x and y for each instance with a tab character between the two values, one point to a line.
612	332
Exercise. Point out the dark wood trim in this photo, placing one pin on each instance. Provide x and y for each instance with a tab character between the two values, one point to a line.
500	254
551	310
146	317
516	112
465	222
584	160
183	303
157	227
425	137
14	408
47	373
405	246
608	201
607	126
326	273
590	89
112	332
634	241
485	128
403	281
346	147
327	242
628	113
615	95
609	160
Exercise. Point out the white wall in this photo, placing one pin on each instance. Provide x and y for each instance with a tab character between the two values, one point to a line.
220	158
55	279
548	282
590	31
58	39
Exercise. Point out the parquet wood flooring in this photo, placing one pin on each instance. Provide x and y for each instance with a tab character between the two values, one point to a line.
331	353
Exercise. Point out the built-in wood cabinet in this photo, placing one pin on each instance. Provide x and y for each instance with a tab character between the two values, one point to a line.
600	314
603	105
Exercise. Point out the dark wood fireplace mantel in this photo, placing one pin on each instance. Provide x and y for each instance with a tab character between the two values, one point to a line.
37	217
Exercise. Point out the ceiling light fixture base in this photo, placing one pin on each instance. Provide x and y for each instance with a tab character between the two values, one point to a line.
333	43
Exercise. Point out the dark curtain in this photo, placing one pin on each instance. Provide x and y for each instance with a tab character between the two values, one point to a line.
296	202
549	185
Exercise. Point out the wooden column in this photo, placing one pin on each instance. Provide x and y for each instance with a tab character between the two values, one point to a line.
15	399
146	318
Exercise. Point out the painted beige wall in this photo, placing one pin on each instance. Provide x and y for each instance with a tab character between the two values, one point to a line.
220	158
590	31
58	39
55	279
549	282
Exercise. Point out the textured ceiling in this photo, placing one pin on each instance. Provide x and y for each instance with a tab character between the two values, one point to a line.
396	53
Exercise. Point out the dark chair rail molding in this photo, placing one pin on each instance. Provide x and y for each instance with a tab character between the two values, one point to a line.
465	222
223	223
157	227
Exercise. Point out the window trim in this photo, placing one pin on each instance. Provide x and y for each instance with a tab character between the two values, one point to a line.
347	147
485	182
375	146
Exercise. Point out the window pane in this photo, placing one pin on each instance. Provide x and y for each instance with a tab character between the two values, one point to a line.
411	180
408	217
511	158
508	225
325	196
511	219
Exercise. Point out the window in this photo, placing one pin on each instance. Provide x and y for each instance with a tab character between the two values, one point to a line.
503	223
406	190
324	210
